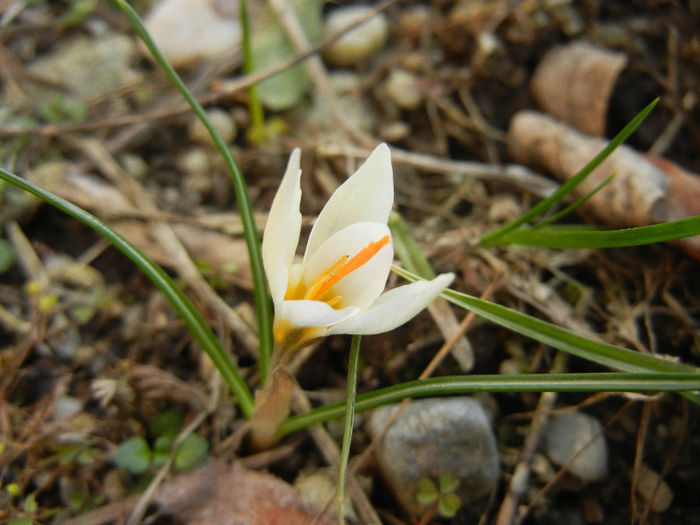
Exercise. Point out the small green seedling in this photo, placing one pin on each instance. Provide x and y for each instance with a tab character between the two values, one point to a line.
443	495
137	457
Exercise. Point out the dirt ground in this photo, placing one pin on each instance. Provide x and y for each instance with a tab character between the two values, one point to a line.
91	353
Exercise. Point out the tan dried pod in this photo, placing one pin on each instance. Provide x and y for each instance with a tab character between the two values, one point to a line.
575	82
683	199
632	198
645	190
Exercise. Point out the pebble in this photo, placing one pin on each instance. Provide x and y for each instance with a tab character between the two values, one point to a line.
195	160
653	489
402	88
222	122
434	437
189	32
395	131
358	45
317	490
66	407
88	67
567	434
134	165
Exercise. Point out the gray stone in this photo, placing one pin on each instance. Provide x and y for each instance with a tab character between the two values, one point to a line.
576	440
88	67
434	437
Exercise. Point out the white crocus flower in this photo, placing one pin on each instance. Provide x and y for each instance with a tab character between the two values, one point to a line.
337	288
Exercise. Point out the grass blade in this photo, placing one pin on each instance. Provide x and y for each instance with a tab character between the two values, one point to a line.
587	382
407	249
182	305
493	238
552	335
565	237
574	205
353	362
263	308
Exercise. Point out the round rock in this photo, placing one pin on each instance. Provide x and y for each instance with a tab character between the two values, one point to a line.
434	437
576	440
359	44
402	88
192	31
222	122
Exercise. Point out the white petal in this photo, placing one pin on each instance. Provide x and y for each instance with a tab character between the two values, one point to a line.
367	196
361	287
282	230
394	308
314	313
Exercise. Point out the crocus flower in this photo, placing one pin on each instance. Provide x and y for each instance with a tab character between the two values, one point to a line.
337	288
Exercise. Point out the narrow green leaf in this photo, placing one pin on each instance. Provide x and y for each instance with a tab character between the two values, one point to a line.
353	361
492	238
605	354
182	305
7	255
263	309
574	205
587	382
562	237
407	249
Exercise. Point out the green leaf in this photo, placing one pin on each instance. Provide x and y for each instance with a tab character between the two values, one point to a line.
562	237
7	255
30	504
270	46
448	483
134	455
191	452
20	521
161	450
427	493
63	108
78	12
167	424
448	505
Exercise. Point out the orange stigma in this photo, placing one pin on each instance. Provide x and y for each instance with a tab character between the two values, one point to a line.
344	267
